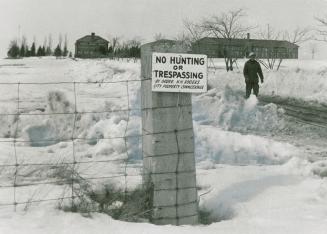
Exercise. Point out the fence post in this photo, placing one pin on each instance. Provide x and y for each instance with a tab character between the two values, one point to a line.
168	145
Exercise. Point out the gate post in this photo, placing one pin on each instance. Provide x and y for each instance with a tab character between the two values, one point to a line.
168	145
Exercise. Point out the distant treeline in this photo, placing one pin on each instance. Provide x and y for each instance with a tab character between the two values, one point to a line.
117	49
125	51
22	49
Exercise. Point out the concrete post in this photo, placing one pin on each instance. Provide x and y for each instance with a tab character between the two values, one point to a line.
168	145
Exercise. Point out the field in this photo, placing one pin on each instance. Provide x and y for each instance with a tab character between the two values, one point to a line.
258	170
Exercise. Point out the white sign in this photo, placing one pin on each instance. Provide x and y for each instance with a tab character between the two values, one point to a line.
179	73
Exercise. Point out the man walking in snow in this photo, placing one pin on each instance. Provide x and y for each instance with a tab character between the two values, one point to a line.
252	71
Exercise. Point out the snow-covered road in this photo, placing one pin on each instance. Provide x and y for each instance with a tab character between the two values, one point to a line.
314	114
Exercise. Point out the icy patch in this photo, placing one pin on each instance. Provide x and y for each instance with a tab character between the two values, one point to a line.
44	132
50	129
41	135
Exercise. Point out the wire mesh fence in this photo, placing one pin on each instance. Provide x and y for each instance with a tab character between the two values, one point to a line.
46	150
65	139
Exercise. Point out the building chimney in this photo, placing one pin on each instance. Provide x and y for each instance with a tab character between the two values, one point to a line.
248	36
92	34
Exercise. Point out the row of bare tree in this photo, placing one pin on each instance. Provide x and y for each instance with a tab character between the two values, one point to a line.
228	25
231	25
119	48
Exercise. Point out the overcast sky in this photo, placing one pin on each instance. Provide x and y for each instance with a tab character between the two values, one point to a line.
142	18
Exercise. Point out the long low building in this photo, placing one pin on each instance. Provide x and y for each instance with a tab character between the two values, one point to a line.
240	48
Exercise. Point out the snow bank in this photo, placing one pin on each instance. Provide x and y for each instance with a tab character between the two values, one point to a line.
220	118
320	168
225	109
229	110
233	148
265	199
301	79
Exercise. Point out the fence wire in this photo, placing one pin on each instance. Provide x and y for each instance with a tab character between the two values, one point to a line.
27	175
19	167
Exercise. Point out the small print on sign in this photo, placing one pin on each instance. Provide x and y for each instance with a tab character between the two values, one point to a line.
179	73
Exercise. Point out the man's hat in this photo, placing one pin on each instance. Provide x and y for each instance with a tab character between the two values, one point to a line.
251	54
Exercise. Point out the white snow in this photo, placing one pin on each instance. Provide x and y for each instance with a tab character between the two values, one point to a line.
303	79
237	149
252	199
249	181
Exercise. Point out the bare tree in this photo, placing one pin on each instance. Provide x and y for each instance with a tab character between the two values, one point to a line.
23	49
322	30
48	51
193	30
158	36
136	41
134	48
60	40
50	41
191	34
45	42
229	26
65	50
269	33
298	35
114	42
184	38
272	56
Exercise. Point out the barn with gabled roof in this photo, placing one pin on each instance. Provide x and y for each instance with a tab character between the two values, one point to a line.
91	46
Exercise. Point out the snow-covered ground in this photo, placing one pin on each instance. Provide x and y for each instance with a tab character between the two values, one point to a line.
251	176
303	79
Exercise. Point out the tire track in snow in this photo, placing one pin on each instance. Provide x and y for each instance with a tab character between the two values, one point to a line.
300	111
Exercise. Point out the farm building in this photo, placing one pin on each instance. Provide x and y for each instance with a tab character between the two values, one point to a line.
240	48
91	46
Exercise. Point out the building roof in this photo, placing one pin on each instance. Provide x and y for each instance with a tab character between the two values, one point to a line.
254	42
91	38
